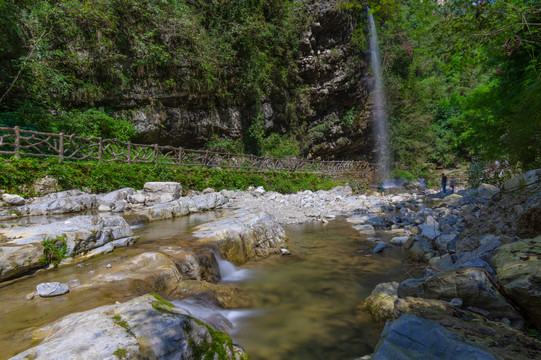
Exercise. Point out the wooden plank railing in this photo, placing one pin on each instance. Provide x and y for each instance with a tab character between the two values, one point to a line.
18	142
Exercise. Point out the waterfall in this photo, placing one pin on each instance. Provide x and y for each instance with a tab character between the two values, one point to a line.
381	132
229	272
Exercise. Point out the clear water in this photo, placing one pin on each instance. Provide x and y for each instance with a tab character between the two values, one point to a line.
306	302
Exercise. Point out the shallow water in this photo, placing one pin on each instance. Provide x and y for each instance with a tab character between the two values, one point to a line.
309	300
306	301
19	316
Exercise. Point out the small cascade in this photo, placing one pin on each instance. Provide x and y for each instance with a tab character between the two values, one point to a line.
229	272
381	131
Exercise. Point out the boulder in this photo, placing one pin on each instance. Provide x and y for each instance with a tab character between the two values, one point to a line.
183	206
60	203
368	219
380	246
365	229
522	180
23	249
518	266
51	289
399	240
113	198
147	327
161	192
17	260
13	199
476	289
243	235
487	191
380	303
429	232
143	273
452	200
530	216
411	337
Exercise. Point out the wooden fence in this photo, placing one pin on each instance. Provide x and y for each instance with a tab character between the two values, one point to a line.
17	142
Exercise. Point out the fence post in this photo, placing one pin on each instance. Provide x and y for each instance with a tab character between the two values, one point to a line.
61	146
180	156
100	149
17	142
156	150
129	153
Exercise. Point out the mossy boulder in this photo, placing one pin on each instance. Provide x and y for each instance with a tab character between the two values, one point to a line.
147	327
518	266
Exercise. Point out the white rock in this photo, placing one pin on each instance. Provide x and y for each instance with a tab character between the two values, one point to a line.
51	289
13	199
104	208
399	240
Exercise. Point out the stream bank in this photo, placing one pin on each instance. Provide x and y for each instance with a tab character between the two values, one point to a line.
431	229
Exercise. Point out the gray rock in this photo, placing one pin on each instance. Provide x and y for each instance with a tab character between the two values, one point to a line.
530	216
13	199
142	328
60	203
472	263
243	235
443	262
411	337
136	199
477	291
411	288
114	197
429	231
380	247
161	192
368	219
522	180
519	271
51	289
380	303
207	191
365	229
23	250
104	208
458	302
487	191
183	206
442	242
399	240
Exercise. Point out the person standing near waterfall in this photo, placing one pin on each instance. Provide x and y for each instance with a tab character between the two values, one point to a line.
443	182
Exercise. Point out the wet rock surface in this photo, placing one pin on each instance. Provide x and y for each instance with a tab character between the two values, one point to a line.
145	327
483	280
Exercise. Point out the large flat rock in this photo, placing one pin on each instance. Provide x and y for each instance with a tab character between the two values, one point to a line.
243	235
411	337
146	327
22	250
518	266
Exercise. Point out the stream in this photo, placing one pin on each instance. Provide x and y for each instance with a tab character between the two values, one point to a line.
306	302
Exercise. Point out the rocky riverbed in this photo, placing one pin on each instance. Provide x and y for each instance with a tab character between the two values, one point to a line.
481	248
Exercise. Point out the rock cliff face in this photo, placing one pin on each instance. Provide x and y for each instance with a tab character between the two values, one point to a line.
329	98
337	90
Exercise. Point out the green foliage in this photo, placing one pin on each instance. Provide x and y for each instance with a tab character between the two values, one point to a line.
463	80
17	175
277	146
402	174
121	353
224	145
54	250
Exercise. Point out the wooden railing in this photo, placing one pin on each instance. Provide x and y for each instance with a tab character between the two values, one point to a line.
18	142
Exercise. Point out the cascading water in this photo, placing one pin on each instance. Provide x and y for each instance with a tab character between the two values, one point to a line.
381	132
